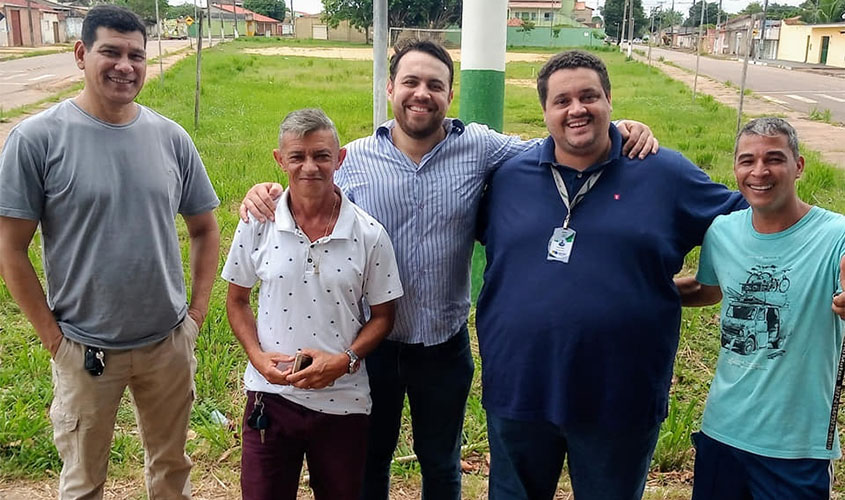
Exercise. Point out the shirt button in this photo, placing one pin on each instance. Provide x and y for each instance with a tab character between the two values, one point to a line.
309	259
579	175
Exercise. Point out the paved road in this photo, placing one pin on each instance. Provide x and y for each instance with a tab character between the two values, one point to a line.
27	80
797	90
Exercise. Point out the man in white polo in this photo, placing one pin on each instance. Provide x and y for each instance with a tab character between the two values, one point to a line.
322	264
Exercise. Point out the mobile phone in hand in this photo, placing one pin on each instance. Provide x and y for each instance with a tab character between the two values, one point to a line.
301	361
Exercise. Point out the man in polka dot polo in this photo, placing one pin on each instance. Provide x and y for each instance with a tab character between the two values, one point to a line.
328	281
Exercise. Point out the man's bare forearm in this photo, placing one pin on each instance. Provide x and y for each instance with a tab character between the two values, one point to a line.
205	256
375	330
22	281
241	319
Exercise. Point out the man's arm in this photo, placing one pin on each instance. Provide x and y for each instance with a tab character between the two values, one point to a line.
22	282
243	326
326	367
260	201
205	255
639	140
839	300
694	294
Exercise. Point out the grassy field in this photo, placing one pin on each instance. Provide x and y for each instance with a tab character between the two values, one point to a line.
244	98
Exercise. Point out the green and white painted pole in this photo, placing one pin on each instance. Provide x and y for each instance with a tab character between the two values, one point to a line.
484	36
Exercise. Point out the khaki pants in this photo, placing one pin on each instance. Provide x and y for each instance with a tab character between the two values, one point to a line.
160	378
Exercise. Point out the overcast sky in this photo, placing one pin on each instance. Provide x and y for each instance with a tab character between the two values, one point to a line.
732	6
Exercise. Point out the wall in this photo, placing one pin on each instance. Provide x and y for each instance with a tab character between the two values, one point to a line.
344	32
73	28
793	42
544	37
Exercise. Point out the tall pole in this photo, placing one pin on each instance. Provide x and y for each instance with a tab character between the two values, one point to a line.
293	25
31	29
199	73
208	15
698	49
380	31
483	43
651	35
630	27
160	54
235	13
748	41
624	17
763	31
672	25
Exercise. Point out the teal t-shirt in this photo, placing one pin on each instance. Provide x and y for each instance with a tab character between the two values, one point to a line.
773	388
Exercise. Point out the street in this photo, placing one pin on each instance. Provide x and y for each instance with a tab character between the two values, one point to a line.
797	90
30	79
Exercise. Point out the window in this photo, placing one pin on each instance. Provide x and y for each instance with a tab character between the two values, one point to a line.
533	16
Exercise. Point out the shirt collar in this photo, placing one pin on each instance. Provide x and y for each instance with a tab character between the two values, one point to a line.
342	228
547	151
452	125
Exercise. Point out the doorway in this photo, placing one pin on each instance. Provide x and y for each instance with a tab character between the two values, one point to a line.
17	38
825	47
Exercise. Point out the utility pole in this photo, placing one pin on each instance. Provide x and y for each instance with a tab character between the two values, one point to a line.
160	54
208	14
763	31
748	41
293	24
199	73
622	31
651	34
630	27
698	49
31	29
672	25
235	13
380	33
483	47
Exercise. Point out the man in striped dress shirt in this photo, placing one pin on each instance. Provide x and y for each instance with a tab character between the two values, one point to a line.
422	175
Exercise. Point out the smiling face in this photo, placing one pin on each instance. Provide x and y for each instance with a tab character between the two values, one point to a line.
420	94
577	114
766	171
310	161
114	66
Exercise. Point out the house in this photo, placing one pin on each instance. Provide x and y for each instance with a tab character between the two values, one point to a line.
812	43
541	13
583	14
255	24
313	26
21	23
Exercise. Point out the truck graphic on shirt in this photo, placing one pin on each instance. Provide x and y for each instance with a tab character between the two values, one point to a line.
750	324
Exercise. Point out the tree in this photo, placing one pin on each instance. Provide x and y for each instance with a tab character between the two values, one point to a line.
526	28
612	14
752	8
270	8
710	14
822	11
146	9
669	18
782	11
400	13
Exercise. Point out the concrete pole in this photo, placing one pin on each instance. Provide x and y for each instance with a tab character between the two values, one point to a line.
624	17
763	31
630	28
380	32
698	49
160	54
748	41
208	15
235	13
31	29
483	43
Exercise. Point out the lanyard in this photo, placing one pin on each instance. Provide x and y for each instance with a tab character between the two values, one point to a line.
564	194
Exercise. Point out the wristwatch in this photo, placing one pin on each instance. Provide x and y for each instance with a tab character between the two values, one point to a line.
354	361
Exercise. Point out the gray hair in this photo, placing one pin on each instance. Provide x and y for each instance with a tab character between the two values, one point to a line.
770	127
301	122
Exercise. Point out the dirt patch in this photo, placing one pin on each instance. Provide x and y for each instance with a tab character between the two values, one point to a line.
828	140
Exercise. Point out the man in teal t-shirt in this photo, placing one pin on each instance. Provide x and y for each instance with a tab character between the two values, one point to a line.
775	266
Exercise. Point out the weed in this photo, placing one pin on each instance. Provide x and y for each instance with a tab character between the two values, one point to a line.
674	449
823	115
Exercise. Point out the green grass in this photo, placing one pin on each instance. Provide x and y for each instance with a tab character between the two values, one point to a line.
820	115
244	98
34	53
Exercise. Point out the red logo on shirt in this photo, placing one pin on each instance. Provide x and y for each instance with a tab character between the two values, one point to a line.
616	196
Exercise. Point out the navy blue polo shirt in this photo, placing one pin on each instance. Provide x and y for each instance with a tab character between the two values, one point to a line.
591	341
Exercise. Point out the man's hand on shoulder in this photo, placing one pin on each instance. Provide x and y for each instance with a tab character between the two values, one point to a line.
260	201
839	300
323	371
639	140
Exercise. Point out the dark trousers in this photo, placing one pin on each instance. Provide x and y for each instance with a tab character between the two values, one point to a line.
437	381
526	459
334	446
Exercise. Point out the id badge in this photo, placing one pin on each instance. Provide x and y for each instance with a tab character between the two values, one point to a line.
560	245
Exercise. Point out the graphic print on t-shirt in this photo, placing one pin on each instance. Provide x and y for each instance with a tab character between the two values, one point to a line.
753	319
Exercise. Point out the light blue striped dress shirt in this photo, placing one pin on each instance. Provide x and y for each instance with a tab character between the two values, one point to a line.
429	211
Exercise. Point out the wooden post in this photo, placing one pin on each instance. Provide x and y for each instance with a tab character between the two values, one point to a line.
199	73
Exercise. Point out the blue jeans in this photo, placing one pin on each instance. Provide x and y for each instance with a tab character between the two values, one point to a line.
526	459
437	380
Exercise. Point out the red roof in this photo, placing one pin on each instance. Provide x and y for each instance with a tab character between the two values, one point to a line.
240	10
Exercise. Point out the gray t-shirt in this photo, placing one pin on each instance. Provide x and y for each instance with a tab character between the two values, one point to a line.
107	198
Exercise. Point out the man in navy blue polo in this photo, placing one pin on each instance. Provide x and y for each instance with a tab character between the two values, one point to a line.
578	318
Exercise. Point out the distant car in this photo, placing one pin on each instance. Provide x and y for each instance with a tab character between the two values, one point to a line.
638	40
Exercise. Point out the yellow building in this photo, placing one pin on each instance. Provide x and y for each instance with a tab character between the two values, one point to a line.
812	43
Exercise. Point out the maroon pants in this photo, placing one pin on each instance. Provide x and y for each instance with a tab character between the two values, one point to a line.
333	445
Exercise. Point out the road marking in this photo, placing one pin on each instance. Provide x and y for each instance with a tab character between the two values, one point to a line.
776	101
825	96
15	74
800	98
48	75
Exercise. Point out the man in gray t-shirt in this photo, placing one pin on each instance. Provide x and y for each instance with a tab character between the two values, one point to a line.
105	178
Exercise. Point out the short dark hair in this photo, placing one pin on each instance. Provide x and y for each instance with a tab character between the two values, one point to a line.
770	126
429	47
113	17
571	59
